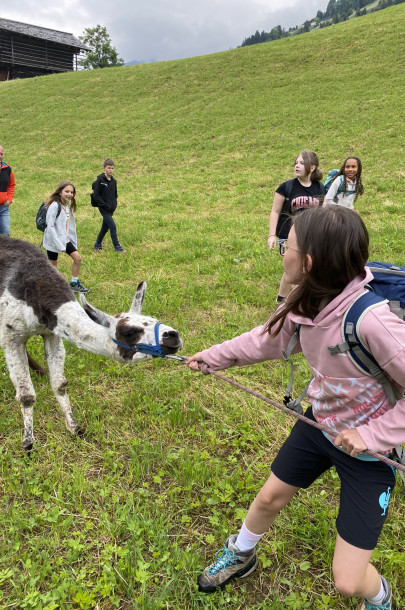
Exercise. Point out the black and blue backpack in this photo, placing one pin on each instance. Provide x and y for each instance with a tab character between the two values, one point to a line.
387	286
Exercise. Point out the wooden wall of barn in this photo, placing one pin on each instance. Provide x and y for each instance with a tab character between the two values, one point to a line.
27	56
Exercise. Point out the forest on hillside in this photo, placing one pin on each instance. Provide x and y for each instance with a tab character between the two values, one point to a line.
336	11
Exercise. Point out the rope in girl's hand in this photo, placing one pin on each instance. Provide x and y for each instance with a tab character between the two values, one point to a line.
206	370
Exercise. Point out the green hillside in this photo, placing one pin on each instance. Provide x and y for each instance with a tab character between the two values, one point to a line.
336	11
127	517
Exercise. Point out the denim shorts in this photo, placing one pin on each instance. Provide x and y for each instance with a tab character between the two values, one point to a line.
365	485
279	242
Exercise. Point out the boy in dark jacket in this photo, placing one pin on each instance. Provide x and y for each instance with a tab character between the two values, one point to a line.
105	195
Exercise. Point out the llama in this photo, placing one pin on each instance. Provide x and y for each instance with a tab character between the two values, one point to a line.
35	299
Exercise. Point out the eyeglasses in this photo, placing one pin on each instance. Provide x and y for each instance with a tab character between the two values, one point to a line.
284	247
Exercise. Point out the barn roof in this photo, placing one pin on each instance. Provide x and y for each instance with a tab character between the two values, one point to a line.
45	33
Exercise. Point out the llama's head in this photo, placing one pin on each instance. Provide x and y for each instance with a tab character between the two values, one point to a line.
127	330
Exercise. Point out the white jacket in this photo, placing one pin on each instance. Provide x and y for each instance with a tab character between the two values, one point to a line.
345	199
55	235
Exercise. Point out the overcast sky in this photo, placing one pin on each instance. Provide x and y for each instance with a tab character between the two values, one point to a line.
158	30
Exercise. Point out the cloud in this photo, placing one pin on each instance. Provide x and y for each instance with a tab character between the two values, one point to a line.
166	29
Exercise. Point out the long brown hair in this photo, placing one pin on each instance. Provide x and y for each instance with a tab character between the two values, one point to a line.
56	195
337	241
310	158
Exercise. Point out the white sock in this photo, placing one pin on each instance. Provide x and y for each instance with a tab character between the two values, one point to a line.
74	279
246	540
379	597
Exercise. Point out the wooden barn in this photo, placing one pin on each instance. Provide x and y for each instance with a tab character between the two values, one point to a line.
29	50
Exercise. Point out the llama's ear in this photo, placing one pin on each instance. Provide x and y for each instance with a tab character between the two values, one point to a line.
136	306
95	314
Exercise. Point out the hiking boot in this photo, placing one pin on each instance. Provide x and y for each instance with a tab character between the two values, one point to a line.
119	249
77	287
386	602
230	563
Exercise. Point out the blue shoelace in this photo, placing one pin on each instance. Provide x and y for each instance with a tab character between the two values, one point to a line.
225	559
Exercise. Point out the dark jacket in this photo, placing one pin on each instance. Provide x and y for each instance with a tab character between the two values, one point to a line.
7	183
105	194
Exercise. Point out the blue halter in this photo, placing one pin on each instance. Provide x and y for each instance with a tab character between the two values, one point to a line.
144	348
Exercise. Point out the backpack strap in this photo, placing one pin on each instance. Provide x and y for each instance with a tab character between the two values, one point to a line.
398	455
341	187
295	404
287	196
355	347
288	188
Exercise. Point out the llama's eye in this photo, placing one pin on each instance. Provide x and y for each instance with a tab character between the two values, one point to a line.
131	332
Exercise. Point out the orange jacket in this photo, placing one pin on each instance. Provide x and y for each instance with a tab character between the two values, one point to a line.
7	183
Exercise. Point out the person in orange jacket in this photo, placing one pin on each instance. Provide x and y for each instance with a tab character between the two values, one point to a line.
7	186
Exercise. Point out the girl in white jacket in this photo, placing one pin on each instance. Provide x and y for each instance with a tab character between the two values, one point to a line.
60	232
348	185
325	259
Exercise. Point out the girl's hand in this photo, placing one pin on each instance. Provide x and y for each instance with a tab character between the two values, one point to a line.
193	361
351	442
271	242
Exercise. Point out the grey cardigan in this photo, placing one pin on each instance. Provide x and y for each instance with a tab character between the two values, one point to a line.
55	234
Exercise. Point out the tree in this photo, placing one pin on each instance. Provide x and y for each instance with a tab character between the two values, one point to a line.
276	33
102	54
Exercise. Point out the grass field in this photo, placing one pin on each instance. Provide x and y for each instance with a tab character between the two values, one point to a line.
128	516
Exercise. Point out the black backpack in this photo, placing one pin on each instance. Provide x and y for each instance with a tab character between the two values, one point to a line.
41	216
92	200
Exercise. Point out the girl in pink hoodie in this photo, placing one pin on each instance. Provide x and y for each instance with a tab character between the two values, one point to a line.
325	260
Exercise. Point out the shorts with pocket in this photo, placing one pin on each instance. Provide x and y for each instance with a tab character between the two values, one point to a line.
366	484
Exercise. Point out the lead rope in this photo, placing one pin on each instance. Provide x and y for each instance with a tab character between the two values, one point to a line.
205	369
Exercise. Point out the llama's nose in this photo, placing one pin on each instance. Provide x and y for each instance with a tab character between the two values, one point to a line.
171	338
170	342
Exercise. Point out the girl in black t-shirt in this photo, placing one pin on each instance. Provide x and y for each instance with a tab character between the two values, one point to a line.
292	197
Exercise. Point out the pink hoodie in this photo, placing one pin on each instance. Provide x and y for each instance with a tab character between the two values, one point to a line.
340	394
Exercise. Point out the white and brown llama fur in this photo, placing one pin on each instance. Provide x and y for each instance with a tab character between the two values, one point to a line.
36	300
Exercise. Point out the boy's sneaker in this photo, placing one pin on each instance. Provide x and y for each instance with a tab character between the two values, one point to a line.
231	563
97	247
119	249
77	287
386	603
280	299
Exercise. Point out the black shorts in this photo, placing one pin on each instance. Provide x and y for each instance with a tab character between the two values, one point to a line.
365	485
53	256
